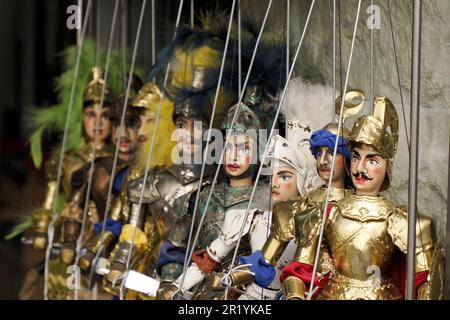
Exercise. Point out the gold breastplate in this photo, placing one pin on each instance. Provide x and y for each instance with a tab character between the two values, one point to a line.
356	246
358	236
76	159
362	249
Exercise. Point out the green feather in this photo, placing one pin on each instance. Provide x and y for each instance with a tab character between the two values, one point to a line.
36	150
24	223
53	119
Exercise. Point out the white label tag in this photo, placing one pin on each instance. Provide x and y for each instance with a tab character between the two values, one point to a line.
139	282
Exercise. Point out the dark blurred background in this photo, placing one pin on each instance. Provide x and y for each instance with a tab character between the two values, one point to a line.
32	34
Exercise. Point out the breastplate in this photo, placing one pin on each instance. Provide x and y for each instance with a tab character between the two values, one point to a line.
358	236
361	248
163	187
357	247
169	189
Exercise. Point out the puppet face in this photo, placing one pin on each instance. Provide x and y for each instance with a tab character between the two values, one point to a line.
145	129
189	135
324	161
284	183
368	169
90	115
128	138
239	155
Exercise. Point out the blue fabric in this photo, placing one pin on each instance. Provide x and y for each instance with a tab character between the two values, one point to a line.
170	253
264	272
324	138
280	296
119	179
114	226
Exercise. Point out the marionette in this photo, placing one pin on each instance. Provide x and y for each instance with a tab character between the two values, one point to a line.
121	217
75	159
81	127
78	149
267	263
78	163
363	231
289	179
226	210
72	214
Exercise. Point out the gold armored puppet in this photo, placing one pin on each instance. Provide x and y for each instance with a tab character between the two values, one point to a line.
365	234
77	164
75	159
127	141
147	101
267	263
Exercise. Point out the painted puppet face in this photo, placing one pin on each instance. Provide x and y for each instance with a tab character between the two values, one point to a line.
324	161
284	183
368	169
239	154
90	115
128	138
145	129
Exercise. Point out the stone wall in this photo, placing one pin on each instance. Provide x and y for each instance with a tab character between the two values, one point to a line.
315	65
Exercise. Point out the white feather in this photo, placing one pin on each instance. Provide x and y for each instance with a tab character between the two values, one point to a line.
312	104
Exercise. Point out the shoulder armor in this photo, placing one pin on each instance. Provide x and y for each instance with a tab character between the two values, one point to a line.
398	230
150	192
72	163
283	220
261	199
186	174
316	196
307	225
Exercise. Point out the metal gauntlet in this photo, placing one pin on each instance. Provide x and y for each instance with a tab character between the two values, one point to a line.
273	248
293	288
119	260
242	276
103	242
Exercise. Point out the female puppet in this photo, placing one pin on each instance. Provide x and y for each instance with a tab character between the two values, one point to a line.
226	211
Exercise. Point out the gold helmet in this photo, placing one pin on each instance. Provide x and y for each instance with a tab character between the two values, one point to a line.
148	97
93	91
193	80
380	131
353	104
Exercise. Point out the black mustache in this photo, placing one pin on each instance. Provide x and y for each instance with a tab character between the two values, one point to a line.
362	175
